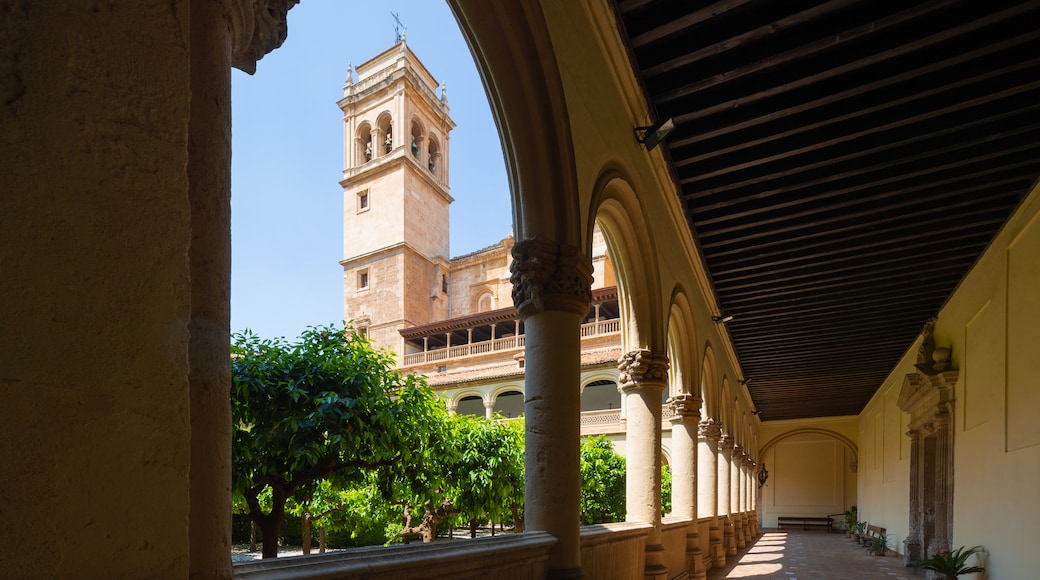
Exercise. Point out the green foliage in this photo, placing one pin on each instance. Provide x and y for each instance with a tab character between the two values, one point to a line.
953	564
878	545
326	407
666	490
602	482
487	473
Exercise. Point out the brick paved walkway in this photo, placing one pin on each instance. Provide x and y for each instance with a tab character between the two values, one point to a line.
796	555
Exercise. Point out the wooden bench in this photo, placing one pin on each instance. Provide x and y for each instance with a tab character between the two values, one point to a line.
806	522
873	532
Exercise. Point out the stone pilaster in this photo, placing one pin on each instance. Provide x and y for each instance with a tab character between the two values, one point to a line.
644	375
552	292
686	416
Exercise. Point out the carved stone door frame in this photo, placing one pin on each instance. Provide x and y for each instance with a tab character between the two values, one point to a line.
928	397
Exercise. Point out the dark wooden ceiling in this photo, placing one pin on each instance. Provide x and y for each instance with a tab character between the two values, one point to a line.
843	164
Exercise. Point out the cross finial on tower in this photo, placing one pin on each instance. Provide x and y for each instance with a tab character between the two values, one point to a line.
399	29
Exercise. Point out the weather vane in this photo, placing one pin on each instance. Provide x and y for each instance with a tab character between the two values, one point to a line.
398	27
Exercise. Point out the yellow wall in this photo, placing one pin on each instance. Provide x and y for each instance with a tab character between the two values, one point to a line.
811	467
992	324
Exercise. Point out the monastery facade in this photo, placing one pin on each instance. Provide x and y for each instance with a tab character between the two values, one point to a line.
450	319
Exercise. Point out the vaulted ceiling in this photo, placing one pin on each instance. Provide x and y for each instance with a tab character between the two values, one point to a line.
843	164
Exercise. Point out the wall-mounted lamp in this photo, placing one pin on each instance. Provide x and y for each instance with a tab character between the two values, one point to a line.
721	319
652	135
763	476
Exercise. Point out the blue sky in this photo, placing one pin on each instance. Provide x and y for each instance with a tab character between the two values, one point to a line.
287	144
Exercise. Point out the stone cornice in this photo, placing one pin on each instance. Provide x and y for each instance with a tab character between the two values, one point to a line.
548	276
257	28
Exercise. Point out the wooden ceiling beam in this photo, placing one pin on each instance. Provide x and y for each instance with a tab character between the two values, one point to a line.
754	35
825	44
879	57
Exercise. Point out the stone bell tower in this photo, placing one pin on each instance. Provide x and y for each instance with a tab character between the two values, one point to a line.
395	196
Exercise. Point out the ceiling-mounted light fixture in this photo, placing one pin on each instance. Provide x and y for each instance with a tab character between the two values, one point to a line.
721	319
652	135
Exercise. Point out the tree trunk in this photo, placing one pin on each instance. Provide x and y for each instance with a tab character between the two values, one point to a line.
269	528
306	533
252	536
321	540
473	528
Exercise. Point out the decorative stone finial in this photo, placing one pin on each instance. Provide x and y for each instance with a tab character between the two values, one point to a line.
444	93
350	73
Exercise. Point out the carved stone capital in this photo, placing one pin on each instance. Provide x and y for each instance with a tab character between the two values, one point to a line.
726	444
257	28
686	408
709	429
550	276
642	370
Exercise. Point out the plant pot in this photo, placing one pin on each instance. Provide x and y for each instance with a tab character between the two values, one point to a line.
855	537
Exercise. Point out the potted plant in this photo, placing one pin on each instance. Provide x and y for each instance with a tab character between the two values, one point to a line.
850	521
857	529
950	565
878	546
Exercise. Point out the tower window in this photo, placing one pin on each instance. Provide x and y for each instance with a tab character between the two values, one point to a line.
362	201
362	279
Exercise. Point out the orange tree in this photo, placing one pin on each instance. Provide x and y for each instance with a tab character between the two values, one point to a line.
328	406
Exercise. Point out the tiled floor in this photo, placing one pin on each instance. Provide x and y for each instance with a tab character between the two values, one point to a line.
796	555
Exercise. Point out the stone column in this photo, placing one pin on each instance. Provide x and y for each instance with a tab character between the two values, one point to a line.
735	509
452	407
708	436
644	375
685	420
726	452
489	408
552	293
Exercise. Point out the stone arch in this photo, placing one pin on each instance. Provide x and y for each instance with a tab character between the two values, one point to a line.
385	125
709	384
600	394
530	109
417	136
725	409
608	374
849	444
508	401
484	300
471	404
681	338
433	155
363	144
624	225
